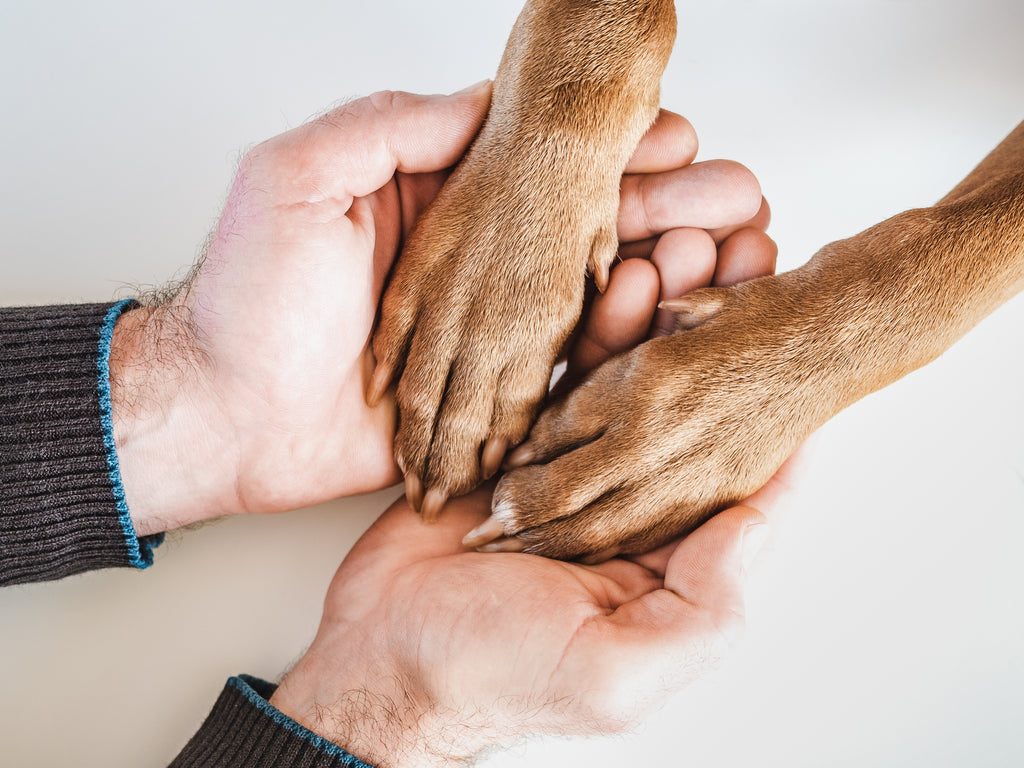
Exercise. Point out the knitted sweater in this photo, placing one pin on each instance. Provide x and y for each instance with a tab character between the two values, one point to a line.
62	510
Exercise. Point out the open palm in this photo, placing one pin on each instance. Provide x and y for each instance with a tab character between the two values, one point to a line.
463	650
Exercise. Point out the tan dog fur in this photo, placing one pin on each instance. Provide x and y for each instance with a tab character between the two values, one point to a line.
656	440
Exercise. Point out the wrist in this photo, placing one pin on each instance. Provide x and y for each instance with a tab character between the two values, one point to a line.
873	294
172	455
372	714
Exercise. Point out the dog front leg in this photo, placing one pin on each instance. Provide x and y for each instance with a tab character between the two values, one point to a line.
491	280
657	440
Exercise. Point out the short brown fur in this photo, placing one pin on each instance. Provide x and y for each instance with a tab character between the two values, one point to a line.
656	440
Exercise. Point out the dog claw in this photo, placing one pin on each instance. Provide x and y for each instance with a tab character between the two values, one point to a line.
503	545
691	312
414	491
488	531
432	505
494	452
520	457
379	383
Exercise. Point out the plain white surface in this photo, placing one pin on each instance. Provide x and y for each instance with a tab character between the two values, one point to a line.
888	627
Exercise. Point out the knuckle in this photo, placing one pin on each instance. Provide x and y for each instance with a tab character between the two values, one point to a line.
387	102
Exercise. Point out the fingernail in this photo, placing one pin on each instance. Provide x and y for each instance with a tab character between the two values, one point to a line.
753	541
475	87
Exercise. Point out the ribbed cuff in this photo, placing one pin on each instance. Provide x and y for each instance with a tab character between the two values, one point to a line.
244	729
61	505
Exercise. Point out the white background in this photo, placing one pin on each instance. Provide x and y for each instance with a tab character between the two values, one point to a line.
888	628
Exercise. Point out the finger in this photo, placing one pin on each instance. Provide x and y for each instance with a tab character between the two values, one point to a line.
745	255
712	194
707	568
760	220
666	638
656	561
638	249
356	148
686	260
769	500
670	143
619	319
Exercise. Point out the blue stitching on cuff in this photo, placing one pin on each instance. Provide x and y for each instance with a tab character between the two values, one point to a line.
140	551
246	685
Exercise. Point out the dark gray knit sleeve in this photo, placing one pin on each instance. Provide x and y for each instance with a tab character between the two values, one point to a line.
245	730
62	508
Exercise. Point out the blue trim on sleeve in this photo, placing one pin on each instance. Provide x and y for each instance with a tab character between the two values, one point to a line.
140	551
257	692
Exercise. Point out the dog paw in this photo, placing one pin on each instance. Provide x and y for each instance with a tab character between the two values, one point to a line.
658	439
488	288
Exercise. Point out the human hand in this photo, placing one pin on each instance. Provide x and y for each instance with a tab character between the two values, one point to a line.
428	654
249	380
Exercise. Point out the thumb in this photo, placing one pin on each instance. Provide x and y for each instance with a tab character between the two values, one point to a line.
708	569
354	149
660	642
